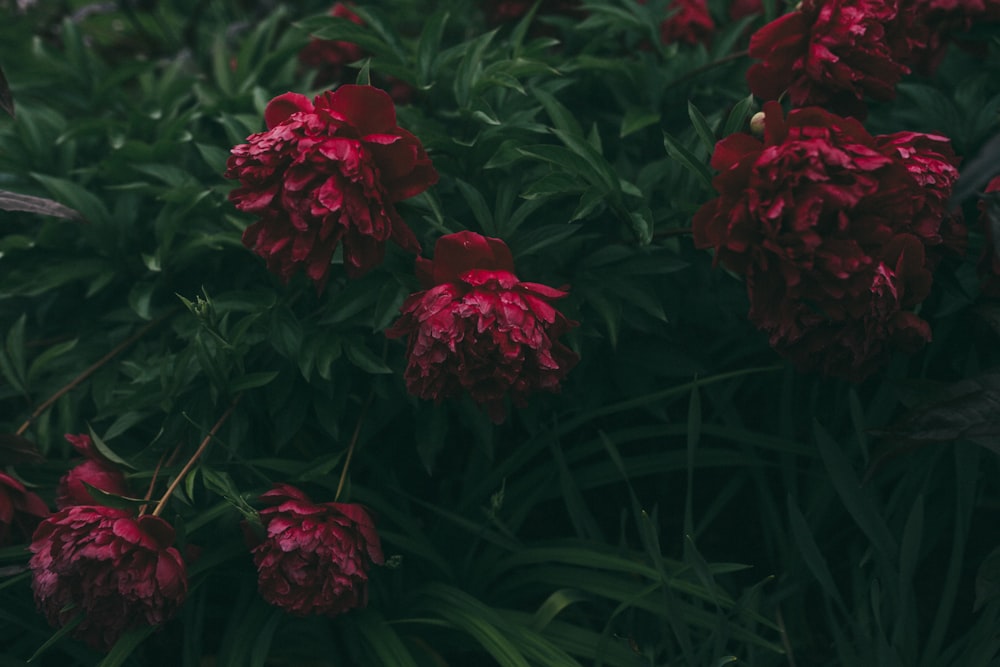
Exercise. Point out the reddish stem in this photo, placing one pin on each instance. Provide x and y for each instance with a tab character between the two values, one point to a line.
194	457
90	371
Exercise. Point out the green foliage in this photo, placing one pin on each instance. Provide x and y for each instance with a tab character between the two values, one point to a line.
686	500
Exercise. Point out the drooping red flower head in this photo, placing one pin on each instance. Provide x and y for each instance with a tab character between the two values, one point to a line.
328	172
330	56
20	510
478	329
829	53
689	22
96	471
829	225
314	557
117	571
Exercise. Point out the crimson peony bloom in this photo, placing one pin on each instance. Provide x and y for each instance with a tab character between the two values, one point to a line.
328	172
315	557
689	22
20	509
478	329
96	471
829	53
118	571
830	226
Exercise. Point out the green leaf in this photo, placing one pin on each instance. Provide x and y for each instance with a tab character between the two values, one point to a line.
858	501
688	160
471	616
111	500
811	553
635	119
429	46
13	360
480	210
359	355
76	197
106	451
562	118
470	68
382	639
252	381
737	119
701	126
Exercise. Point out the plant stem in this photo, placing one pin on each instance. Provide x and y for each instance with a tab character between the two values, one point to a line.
354	441
704	68
194	457
90	371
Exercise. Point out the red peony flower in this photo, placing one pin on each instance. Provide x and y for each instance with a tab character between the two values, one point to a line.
20	509
478	329
117	571
829	225
325	173
829	53
96	471
689	22
330	56
314	558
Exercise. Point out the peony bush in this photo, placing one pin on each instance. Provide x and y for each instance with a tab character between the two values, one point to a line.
617	332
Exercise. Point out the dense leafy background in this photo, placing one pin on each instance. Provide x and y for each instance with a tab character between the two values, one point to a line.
688	499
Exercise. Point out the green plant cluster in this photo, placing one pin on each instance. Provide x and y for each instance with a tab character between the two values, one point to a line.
687	499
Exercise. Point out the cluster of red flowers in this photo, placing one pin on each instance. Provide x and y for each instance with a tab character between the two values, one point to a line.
835	230
834	53
328	173
108	570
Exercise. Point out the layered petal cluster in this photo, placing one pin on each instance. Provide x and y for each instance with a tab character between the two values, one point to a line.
20	510
478	330
114	570
328	172
314	557
830	53
96	471
832	228
330	56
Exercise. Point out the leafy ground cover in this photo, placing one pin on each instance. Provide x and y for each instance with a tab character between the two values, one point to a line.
470	333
